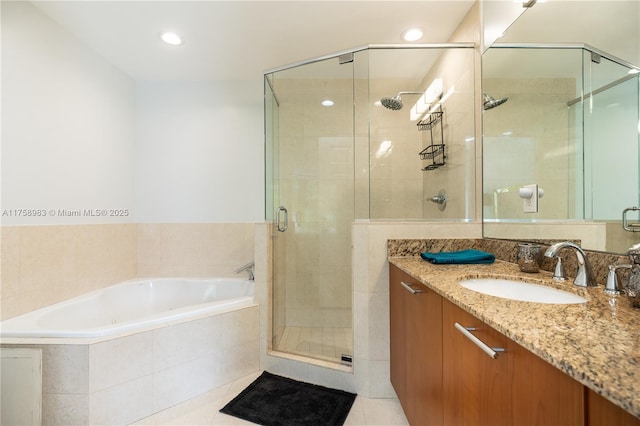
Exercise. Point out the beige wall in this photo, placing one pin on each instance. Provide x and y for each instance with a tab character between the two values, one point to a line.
43	265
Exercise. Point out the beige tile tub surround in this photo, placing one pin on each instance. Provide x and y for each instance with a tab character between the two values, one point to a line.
42	265
194	249
122	380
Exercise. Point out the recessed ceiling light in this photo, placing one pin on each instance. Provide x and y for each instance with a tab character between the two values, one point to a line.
171	38
327	103
412	34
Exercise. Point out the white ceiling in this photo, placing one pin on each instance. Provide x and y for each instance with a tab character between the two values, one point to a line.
242	39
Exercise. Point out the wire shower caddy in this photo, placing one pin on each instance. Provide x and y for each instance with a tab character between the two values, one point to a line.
434	151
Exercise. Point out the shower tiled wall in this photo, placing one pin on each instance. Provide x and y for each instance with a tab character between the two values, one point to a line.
530	132
42	265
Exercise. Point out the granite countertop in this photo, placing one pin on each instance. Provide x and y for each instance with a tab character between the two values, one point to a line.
597	343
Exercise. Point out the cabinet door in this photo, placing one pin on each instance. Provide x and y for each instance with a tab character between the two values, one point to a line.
417	347
424	357
602	412
475	384
540	393
397	340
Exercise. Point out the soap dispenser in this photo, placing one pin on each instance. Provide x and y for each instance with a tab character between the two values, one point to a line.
633	287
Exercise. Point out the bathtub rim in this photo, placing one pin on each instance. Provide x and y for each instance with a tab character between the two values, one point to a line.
100	339
249	301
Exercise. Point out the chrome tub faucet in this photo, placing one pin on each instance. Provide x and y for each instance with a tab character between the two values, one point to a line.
584	276
249	267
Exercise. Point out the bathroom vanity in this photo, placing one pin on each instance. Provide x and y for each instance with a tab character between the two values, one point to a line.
547	364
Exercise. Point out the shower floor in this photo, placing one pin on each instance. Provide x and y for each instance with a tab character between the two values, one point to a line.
327	343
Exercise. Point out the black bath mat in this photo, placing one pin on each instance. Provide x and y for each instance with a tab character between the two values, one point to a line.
279	401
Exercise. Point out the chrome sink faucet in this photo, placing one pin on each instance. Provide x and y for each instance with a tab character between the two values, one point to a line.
584	276
613	288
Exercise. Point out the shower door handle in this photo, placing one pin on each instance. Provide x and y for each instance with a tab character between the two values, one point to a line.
279	225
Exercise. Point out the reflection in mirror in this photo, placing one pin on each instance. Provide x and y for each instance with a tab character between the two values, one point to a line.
498	16
571	126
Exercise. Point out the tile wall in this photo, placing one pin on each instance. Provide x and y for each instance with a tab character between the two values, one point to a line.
42	265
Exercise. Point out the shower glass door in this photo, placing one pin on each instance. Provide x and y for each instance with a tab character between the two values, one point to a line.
310	199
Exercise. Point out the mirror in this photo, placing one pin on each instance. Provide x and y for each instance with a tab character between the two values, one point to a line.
569	124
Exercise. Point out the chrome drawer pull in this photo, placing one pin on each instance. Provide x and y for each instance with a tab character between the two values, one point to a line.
492	352
411	289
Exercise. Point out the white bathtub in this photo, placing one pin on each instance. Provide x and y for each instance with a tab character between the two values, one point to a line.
125	352
130	306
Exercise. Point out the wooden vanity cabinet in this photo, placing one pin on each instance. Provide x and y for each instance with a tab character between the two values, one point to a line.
602	412
514	388
474	383
540	393
443	378
416	348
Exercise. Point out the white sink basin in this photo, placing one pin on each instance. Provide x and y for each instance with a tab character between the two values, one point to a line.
519	290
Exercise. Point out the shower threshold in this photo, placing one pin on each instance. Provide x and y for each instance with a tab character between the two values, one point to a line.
326	344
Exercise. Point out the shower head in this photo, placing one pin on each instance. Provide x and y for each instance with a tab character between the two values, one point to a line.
395	103
490	102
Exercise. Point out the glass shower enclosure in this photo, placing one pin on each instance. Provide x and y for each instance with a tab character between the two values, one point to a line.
336	155
310	145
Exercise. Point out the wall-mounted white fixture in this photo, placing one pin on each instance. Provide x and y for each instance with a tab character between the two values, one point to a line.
412	34
327	102
433	92
171	38
530	195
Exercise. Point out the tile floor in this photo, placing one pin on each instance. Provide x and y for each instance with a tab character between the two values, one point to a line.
327	343
203	410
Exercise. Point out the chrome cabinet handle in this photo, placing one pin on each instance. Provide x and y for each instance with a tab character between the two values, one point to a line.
492	352
282	227
411	289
